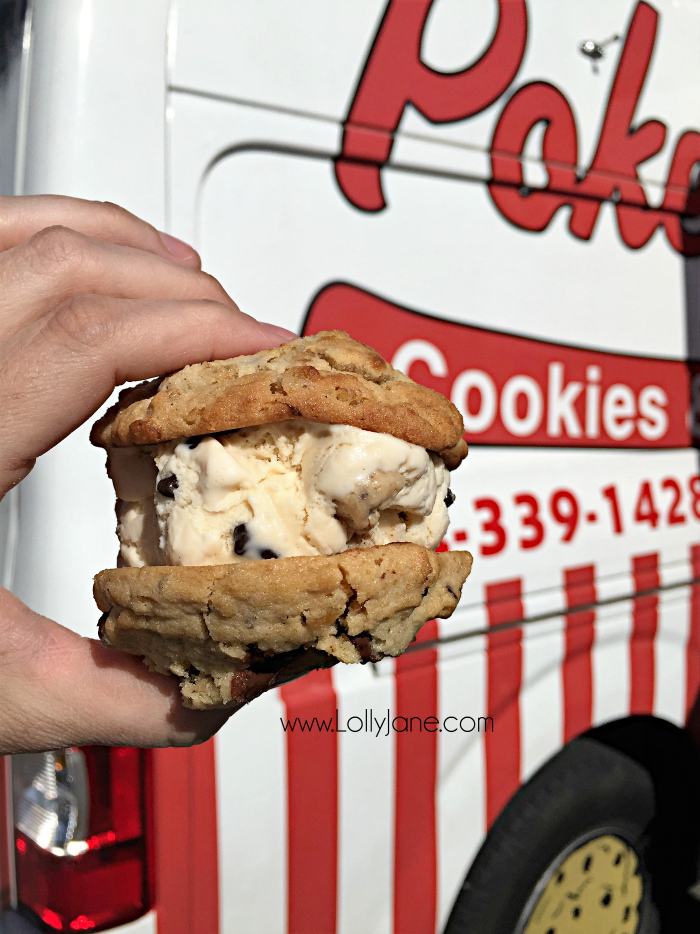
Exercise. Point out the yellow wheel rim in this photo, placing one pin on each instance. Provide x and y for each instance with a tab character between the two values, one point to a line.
597	889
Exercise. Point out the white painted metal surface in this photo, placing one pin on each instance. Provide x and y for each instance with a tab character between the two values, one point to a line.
220	120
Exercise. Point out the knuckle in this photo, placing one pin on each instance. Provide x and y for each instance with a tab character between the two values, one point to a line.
127	225
116	213
210	281
58	248
85	321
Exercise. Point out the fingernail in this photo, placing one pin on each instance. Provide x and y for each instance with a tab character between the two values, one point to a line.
178	248
283	333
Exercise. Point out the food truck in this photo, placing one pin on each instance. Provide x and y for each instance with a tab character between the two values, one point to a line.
501	197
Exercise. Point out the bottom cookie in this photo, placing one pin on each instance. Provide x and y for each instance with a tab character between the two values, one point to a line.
231	632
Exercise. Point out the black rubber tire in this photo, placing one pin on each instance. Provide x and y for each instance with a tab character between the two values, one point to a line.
587	786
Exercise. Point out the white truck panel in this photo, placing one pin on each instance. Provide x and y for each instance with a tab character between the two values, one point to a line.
220	121
426	251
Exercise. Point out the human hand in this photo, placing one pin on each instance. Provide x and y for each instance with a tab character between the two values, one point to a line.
91	297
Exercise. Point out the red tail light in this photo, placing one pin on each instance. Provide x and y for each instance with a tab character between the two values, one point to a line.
80	847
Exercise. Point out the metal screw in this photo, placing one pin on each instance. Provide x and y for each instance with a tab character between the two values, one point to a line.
595	50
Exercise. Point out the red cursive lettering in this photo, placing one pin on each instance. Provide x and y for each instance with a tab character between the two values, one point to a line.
395	76
613	173
621	149
530	105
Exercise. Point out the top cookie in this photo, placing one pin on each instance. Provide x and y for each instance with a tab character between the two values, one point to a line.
328	377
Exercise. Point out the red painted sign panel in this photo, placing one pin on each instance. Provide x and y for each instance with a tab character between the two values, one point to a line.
518	390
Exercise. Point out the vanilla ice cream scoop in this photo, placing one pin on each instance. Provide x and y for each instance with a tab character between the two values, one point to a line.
274	491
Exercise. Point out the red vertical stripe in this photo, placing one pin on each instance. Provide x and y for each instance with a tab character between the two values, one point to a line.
504	678
6	833
415	857
312	801
645	620
577	670
693	644
185	841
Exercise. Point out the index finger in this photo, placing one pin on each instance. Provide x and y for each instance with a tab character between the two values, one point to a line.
22	217
55	373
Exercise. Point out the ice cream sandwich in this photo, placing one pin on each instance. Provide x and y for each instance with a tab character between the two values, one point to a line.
276	513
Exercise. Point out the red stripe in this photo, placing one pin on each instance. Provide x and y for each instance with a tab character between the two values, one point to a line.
185	840
577	671
645	621
6	833
312	797
415	857
504	678
692	651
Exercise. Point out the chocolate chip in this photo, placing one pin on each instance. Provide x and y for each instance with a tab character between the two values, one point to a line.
265	662
194	441
240	539
268	553
403	516
450	498
167	486
363	644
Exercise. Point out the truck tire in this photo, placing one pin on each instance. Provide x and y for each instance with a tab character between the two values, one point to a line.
571	851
